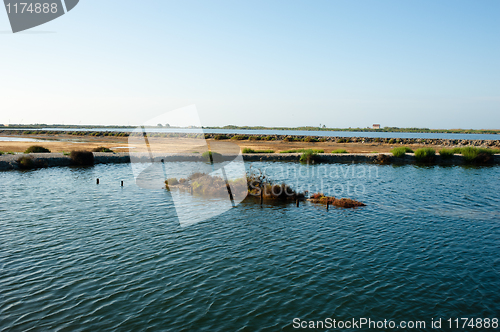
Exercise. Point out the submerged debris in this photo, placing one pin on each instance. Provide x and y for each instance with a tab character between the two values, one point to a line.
341	202
258	186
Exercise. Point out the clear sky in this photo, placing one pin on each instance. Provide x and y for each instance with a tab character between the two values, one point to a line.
287	63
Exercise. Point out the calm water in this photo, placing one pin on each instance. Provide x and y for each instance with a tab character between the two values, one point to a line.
19	139
77	256
300	133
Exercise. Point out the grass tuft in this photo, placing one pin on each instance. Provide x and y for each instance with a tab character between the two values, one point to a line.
446	153
239	137
37	149
248	150
339	151
425	155
211	157
103	149
82	158
401	151
302	151
309	156
25	163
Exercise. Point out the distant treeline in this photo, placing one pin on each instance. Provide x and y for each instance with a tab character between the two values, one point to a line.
42	125
385	129
306	128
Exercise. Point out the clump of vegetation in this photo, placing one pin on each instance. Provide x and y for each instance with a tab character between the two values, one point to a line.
310	139
202	184
477	155
102	149
269	138
248	150
37	149
239	137
425	155
254	138
343	140
82	158
25	163
260	185
342	202
211	157
446	153
400	152
171	182
392	141
220	137
257	185
302	151
309	156
290	139
339	151
1	153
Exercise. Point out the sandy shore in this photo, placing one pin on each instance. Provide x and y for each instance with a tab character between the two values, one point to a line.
67	143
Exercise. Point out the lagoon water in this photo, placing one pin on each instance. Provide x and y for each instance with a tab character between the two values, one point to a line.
79	256
298	133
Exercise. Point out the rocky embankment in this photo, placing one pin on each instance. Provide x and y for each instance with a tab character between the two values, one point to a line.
339	139
41	160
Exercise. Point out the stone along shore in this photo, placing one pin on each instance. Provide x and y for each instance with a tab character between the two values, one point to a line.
41	160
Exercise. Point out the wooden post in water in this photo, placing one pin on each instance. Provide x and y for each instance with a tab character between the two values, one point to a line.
122	183
261	195
327	204
97	182
297	202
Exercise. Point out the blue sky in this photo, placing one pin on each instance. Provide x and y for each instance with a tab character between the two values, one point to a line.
429	64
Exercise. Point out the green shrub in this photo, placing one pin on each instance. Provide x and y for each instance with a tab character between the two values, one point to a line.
248	150
392	141
211	157
310	139
446	153
219	137
102	149
269	138
82	158
290	139
302	151
25	163
1	153
479	155
401	151
425	154
339	151
37	149
239	137
309	156
254	138
342	140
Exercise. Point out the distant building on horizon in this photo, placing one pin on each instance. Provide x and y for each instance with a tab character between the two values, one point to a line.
376	126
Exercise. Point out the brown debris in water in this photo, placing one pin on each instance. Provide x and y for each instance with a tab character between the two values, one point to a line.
339	202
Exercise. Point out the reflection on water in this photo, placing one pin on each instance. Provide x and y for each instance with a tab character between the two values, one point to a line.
76	255
19	139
